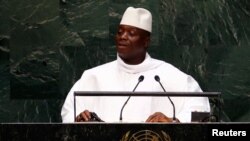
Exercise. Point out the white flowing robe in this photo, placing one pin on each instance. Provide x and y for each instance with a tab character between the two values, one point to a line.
118	76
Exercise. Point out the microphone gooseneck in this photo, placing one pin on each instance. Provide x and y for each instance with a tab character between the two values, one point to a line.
140	79
157	78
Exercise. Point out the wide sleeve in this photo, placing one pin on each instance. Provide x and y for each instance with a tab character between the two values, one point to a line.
87	82
200	104
67	112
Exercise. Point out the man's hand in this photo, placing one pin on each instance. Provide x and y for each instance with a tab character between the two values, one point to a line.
160	117
83	116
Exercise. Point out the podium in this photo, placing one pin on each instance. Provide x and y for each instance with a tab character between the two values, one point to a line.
121	131
105	131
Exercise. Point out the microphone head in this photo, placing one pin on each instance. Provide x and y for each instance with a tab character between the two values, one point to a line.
157	78
141	78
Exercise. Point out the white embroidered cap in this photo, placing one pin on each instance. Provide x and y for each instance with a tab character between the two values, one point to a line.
137	17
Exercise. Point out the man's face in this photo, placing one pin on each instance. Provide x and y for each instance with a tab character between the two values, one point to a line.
131	44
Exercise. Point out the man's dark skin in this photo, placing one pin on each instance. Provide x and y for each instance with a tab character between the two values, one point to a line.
131	45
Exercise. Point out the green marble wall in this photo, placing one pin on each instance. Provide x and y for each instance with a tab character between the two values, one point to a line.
46	45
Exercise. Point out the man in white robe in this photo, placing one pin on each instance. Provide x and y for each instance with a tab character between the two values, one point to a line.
133	61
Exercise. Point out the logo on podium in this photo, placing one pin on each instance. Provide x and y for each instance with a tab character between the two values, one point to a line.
146	135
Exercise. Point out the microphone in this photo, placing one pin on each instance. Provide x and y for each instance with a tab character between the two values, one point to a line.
157	78
140	79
